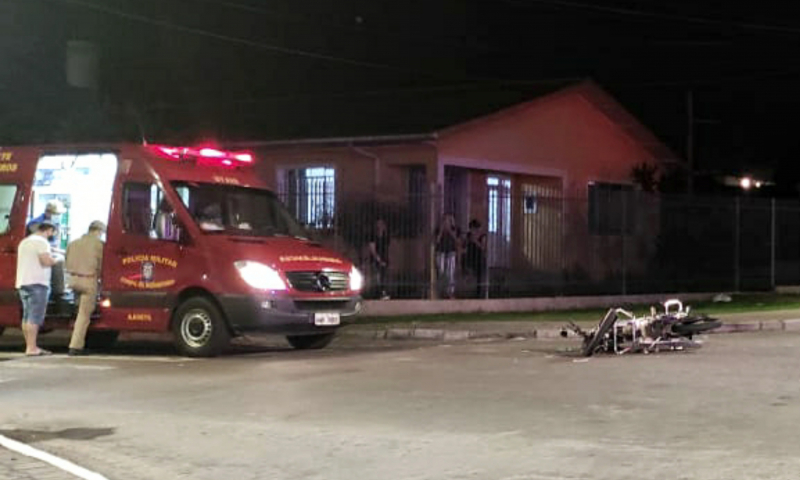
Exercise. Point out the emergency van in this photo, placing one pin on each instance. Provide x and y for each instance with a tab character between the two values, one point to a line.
196	245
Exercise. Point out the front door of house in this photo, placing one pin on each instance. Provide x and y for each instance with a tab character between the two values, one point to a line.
499	225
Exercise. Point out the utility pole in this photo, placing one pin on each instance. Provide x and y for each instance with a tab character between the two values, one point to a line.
690	141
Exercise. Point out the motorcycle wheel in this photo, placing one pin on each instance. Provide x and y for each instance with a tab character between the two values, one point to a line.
695	319
696	327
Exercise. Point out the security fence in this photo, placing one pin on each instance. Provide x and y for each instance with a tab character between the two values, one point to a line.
534	244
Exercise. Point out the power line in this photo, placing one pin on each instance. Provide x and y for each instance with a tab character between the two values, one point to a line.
467	87
280	49
698	82
237	40
648	15
439	42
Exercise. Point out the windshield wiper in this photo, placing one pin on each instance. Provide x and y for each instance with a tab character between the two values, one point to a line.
288	235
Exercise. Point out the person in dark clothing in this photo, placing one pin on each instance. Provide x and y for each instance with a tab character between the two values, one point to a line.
448	246
475	255
379	256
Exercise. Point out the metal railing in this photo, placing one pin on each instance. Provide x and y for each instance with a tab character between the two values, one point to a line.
616	242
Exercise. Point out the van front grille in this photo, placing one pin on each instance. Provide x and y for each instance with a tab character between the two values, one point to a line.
318	281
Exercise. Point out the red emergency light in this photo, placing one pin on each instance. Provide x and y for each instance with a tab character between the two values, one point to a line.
204	155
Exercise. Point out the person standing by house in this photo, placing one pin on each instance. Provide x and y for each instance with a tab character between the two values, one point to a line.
475	254
83	264
379	254
448	244
34	261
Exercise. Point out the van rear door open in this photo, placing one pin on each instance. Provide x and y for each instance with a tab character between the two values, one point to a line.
17	167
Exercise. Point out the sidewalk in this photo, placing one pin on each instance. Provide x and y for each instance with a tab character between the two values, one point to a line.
14	466
781	320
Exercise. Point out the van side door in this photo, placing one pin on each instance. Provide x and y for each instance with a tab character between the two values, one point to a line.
140	268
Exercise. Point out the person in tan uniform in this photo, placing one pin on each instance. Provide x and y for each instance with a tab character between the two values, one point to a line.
83	264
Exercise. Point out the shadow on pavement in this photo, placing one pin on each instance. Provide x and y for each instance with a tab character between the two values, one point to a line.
240	347
78	434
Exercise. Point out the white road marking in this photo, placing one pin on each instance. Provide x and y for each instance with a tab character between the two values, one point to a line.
60	463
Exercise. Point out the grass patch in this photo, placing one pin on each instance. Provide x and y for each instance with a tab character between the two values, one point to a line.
740	304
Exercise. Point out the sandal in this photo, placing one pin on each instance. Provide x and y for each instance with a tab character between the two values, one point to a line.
41	353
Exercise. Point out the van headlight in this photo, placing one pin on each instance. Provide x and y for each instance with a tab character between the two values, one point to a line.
356	280
260	276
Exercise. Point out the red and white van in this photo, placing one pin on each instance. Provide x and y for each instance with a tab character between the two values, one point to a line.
196	245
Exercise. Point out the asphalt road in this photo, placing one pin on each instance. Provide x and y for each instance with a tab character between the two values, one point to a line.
503	410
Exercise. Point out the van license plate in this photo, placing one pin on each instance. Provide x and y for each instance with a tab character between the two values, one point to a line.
326	319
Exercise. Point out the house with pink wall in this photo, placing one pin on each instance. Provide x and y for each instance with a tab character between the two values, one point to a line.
548	179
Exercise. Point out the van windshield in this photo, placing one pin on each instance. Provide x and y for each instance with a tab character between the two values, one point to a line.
236	210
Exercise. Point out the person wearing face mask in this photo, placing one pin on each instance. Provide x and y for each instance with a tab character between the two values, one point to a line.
83	264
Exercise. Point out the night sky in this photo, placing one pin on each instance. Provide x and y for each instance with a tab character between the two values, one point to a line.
186	70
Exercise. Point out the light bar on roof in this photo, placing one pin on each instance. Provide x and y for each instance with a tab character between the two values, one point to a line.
205	155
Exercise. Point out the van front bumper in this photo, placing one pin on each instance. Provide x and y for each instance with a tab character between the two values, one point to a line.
285	315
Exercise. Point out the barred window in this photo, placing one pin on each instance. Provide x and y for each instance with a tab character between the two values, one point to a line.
310	195
499	206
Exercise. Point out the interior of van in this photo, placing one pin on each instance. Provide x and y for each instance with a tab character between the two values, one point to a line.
83	185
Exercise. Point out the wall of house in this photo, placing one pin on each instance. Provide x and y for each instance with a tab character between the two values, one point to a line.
370	181
359	169
562	137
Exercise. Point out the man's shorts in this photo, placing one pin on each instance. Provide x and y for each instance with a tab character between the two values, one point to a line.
34	303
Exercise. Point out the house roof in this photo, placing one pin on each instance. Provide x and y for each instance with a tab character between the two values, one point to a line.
405	120
403	113
599	99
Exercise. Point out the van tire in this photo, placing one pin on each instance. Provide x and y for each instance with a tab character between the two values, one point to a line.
310	342
2	329
101	339
199	328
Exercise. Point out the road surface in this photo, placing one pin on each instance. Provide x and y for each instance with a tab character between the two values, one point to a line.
503	410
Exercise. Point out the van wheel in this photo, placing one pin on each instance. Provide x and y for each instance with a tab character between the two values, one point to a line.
199	329
2	329
101	339
310	342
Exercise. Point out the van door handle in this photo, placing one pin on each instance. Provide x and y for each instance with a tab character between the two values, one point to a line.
9	250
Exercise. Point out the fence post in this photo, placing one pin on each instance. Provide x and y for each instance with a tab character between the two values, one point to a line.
737	247
433	195
624	243
773	245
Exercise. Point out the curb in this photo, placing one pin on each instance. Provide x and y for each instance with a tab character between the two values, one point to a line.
432	334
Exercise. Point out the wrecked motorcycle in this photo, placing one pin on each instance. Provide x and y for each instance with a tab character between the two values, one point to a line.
620	331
